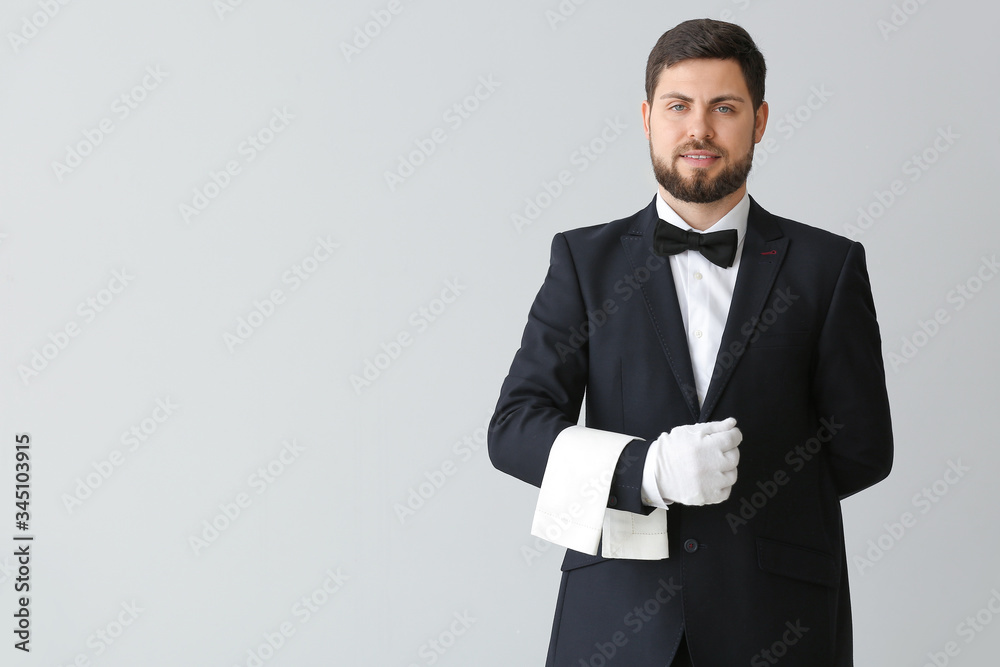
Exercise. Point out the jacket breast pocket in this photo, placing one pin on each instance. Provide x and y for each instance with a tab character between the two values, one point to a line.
797	562
779	339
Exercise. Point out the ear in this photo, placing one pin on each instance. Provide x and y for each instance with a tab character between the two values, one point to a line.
760	122
645	117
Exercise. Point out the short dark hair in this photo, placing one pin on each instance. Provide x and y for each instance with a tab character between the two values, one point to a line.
708	38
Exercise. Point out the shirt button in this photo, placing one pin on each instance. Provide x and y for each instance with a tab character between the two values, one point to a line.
697	275
690	546
698	334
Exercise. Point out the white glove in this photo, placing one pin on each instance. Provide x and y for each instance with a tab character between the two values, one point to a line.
694	464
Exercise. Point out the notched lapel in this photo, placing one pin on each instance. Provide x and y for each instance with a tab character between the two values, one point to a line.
660	296
764	249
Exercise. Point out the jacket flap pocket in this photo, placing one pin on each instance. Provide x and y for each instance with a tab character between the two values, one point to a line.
797	562
575	559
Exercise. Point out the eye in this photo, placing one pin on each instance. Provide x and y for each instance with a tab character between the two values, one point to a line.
676	107
725	109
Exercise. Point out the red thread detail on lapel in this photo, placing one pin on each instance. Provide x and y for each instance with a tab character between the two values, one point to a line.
770	252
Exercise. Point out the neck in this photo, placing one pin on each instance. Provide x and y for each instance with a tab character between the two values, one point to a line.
703	216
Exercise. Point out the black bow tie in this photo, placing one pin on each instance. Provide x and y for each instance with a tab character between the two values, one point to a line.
718	247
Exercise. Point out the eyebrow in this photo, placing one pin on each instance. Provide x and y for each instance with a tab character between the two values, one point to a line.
715	100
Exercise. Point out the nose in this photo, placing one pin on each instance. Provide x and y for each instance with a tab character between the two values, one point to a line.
699	125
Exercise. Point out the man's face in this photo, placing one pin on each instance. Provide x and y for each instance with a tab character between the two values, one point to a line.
702	129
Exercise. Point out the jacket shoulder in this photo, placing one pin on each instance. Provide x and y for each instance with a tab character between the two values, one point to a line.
810	234
812	244
607	233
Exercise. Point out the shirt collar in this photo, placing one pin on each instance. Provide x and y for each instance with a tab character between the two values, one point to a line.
735	219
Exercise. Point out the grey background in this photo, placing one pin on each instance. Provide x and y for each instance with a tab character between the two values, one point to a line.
335	507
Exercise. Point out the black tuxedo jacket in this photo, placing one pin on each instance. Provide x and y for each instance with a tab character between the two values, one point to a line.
762	576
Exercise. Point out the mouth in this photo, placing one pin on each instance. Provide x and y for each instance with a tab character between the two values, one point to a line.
699	159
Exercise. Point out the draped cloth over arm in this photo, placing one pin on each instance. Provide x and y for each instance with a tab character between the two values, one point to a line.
572	506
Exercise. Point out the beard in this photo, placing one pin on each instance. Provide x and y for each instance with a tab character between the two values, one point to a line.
701	188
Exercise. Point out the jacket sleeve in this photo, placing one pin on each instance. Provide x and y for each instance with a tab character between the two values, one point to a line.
543	392
849	382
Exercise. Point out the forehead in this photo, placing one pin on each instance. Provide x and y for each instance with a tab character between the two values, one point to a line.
703	77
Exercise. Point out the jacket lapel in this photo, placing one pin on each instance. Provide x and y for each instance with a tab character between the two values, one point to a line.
656	282
764	249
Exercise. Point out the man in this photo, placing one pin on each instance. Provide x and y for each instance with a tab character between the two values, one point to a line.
735	393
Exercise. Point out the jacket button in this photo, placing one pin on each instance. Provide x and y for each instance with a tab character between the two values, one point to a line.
690	546
612	501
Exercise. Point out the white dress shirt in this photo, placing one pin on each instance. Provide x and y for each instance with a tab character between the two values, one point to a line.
705	290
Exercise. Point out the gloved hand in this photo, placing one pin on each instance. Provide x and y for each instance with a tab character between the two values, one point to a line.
694	464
